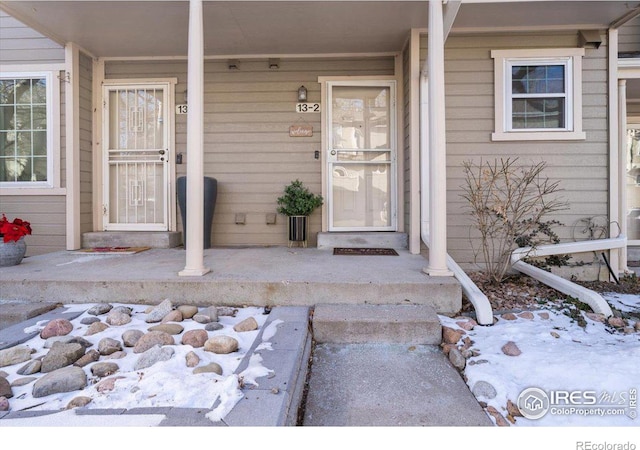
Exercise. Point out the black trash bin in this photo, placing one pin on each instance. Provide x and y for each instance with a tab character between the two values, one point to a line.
210	194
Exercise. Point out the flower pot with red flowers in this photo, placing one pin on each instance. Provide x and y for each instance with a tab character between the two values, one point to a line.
12	244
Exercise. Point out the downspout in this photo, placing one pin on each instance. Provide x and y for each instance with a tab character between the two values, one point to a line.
484	312
591	298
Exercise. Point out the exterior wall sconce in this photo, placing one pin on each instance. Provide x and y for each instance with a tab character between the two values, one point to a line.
589	39
274	63
302	94
233	64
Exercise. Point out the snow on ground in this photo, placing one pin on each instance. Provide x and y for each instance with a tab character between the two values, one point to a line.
163	384
590	375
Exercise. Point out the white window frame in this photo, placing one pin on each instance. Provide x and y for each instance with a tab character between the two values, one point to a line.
571	58
51	72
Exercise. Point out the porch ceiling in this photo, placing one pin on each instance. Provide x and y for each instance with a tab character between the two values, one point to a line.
159	28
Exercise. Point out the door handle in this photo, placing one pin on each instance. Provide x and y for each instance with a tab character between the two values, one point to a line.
161	152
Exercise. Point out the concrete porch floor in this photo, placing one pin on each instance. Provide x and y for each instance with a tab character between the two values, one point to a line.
274	276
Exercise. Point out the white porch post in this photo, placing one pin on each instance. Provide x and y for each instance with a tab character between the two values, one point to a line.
622	169
72	129
437	145
195	126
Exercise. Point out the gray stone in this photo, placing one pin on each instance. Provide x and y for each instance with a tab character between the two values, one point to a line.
188	311
88	358
227	311
68	339
248	324
95	328
100	309
67	379
195	338
61	355
104	369
123	310
192	359
221	345
30	368
5	388
116	355
213	326
118	318
484	389
207	315
56	327
89	320
107	346
169	328
209	368
4	404
157	313
151	339
23	381
14	355
456	358
3	374
152	356
79	402
131	337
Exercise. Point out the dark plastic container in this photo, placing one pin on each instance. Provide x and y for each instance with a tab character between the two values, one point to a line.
210	195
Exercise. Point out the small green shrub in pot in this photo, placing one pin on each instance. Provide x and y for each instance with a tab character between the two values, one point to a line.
298	200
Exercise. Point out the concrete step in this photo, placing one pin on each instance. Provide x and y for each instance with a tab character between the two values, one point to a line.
153	239
366	324
327	240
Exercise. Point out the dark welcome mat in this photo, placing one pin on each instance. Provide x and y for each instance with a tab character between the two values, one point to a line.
365	251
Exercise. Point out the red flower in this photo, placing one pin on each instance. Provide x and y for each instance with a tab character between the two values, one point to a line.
13	231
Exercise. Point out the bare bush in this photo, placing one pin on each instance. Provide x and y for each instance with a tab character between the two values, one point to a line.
508	204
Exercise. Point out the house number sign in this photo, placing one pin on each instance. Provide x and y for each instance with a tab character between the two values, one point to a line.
308	107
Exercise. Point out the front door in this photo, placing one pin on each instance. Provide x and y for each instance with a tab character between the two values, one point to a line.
361	158
136	166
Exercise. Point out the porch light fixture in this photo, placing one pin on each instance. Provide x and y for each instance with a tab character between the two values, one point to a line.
302	94
274	63
233	64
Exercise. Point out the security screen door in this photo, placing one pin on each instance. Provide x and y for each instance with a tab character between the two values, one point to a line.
361	156
136	166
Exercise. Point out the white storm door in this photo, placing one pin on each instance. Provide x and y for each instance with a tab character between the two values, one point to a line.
136	167
361	156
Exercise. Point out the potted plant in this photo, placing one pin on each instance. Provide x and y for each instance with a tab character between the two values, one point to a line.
13	246
297	204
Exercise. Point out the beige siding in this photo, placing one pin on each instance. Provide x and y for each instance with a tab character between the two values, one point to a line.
20	44
247	146
47	217
580	166
86	149
629	37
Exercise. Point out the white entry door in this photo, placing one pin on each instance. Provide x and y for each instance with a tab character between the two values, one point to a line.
136	165
361	159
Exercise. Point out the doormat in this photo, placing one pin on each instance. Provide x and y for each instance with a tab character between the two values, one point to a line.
365	251
112	250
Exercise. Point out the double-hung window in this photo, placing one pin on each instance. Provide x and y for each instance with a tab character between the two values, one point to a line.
28	128
538	94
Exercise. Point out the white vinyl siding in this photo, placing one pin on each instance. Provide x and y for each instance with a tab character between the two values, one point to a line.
581	167
247	146
629	37
20	44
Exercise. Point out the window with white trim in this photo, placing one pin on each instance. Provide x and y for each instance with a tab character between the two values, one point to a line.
27	128
538	94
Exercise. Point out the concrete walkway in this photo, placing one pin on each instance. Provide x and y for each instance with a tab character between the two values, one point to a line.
348	384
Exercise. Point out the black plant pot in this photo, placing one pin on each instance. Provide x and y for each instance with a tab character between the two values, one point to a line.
298	226
210	194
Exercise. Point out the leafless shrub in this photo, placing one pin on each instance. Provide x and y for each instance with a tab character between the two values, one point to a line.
508	203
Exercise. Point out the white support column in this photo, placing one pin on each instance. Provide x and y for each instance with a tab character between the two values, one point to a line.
72	145
437	145
615	214
195	128
622	169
